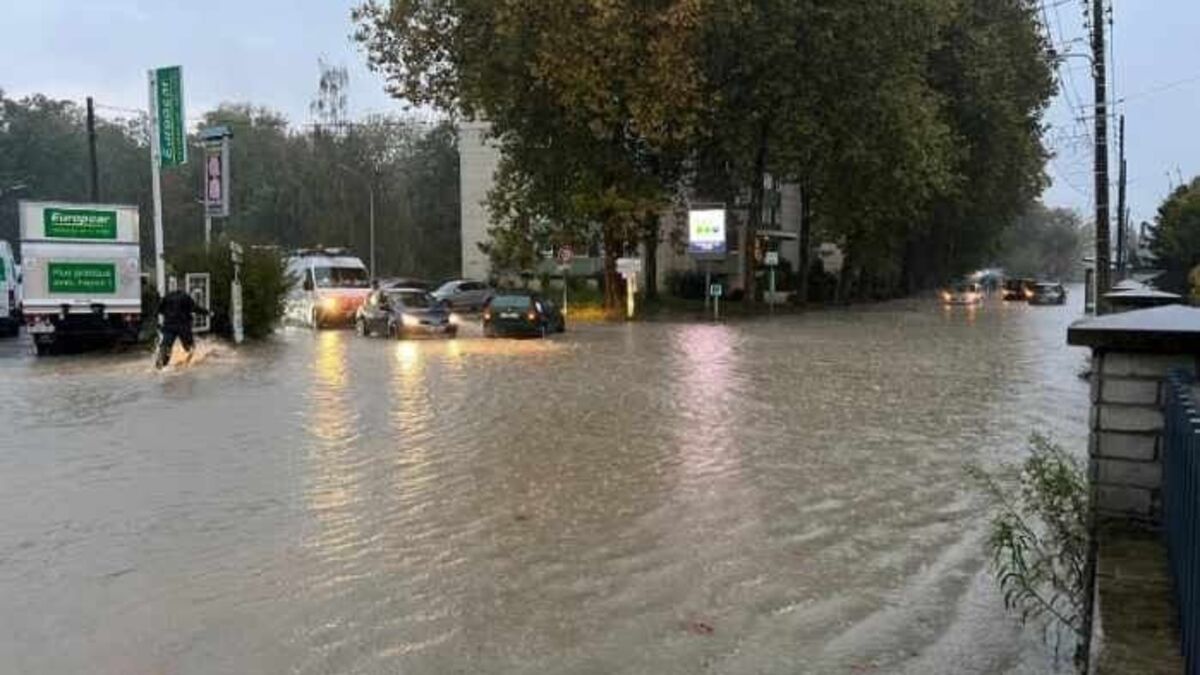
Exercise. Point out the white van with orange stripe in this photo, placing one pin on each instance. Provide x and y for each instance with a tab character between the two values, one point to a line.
328	287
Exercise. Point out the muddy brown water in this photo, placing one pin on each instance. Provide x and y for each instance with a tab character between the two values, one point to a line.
769	496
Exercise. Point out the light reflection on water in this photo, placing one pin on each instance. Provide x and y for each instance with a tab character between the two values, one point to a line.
591	503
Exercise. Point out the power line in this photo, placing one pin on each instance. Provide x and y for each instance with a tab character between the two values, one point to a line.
1161	88
1066	80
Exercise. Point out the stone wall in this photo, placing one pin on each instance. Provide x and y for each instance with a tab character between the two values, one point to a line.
1126	431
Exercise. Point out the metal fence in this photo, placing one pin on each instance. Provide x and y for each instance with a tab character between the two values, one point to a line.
1181	503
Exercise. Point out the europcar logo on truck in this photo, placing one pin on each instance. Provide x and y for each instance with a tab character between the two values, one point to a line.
83	277
79	224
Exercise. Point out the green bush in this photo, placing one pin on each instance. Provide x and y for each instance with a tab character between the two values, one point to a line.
264	285
1039	540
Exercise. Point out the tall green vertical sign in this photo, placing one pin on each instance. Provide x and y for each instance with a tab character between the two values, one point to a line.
172	127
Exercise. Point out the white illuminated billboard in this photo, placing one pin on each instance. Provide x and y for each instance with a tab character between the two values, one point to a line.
706	231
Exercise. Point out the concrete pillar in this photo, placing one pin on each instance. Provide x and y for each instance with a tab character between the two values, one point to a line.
1132	353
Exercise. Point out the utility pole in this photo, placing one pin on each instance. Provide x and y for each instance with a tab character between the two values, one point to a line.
1122	218
93	174
1103	238
371	187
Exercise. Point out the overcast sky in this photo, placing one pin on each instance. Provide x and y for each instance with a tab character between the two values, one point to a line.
266	51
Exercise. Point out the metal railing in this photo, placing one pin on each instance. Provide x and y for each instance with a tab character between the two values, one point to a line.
1181	504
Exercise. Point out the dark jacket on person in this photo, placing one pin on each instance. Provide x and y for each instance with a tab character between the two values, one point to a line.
178	309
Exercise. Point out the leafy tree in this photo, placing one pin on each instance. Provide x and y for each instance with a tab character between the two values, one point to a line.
1175	237
1044	242
588	102
993	68
911	124
265	284
291	186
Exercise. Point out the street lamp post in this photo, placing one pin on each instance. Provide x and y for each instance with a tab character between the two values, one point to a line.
371	205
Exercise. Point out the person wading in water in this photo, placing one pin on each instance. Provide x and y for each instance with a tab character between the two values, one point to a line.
178	311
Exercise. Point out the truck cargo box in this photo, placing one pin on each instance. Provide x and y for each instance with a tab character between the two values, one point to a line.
81	276
65	222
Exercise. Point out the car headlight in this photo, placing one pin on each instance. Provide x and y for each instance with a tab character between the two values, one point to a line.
410	320
945	296
455	319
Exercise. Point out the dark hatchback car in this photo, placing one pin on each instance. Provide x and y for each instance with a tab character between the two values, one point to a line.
405	312
521	314
1018	290
1048	294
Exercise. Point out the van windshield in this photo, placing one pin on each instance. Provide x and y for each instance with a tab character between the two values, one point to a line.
340	277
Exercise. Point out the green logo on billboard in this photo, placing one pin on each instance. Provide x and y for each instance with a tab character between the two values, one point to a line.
83	278
79	224
172	131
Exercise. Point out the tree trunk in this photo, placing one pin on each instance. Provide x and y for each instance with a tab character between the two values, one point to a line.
652	233
754	222
612	280
845	280
804	256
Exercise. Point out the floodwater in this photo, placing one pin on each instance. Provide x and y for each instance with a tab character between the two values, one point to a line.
768	496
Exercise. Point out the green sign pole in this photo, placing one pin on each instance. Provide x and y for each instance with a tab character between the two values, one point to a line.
168	147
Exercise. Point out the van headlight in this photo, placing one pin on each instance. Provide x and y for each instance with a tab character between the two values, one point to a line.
455	319
329	304
410	321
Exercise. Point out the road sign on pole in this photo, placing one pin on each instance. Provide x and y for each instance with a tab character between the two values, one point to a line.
235	293
565	255
199	286
627	266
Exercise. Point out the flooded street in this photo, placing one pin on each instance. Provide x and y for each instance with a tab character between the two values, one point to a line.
768	496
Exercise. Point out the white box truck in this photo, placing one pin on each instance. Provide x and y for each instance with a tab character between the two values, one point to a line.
81	267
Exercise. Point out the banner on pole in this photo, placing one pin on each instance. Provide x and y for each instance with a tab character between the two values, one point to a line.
216	178
172	125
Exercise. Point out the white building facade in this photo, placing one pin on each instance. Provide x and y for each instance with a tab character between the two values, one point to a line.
478	160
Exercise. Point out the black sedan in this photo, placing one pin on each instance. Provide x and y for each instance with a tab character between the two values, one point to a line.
521	314
405	312
1048	294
